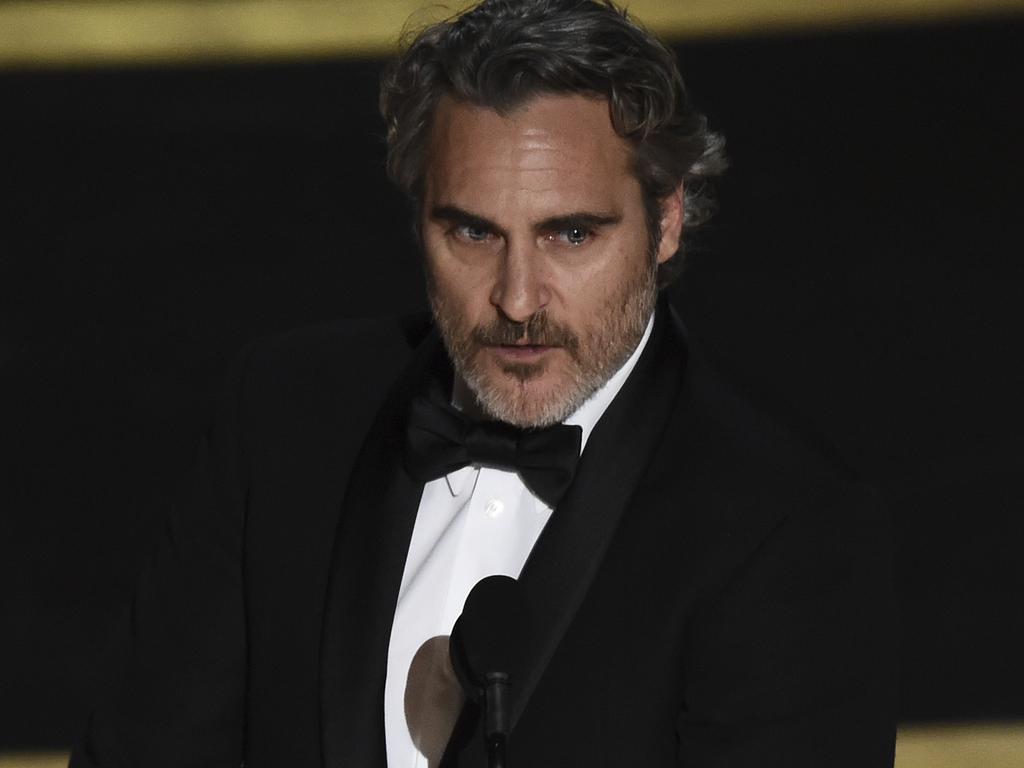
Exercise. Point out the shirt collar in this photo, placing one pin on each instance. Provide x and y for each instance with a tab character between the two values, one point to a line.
462	480
588	414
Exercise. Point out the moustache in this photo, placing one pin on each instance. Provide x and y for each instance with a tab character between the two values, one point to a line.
539	330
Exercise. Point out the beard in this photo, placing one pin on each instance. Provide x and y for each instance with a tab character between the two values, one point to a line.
512	392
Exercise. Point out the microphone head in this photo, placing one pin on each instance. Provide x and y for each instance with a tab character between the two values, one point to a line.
491	635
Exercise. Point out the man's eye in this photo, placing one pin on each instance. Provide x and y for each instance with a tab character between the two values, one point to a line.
472	233
574	235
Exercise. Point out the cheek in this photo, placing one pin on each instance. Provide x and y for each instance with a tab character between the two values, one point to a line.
592	281
455	290
459	277
438	266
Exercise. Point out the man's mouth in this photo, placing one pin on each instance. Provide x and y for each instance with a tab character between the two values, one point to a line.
521	352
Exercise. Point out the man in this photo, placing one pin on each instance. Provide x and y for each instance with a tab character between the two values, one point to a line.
705	588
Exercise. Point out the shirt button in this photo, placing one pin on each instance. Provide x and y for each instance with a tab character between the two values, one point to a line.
494	508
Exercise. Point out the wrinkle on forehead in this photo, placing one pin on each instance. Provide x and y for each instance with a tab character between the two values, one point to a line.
562	145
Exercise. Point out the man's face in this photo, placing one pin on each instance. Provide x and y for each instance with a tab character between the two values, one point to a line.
537	252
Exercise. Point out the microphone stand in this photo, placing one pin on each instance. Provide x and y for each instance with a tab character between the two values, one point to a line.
496	719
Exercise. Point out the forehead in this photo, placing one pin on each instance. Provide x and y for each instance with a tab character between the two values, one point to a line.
557	151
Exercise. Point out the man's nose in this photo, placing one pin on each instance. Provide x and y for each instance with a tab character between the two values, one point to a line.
520	289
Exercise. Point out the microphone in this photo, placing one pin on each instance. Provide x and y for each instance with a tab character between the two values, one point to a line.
487	648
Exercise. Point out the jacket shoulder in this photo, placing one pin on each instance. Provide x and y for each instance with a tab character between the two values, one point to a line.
358	345
753	423
367	351
318	378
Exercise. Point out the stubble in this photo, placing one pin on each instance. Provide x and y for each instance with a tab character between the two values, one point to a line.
513	392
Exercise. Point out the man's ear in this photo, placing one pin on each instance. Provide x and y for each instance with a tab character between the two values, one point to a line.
672	212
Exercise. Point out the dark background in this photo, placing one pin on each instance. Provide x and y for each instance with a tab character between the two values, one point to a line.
866	267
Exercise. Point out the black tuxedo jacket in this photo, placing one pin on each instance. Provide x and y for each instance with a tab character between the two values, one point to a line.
711	592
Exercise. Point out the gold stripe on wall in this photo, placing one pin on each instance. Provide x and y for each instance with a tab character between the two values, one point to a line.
939	746
985	745
36	33
34	760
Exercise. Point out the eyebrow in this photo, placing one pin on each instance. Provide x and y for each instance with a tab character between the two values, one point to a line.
580	219
455	215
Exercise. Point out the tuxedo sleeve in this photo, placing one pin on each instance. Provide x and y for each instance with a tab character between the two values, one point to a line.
178	697
793	665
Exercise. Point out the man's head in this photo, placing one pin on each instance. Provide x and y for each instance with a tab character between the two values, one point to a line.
553	161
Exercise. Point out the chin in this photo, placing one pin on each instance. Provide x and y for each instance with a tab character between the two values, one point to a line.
539	399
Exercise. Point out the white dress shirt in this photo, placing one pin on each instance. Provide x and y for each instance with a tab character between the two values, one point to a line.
472	523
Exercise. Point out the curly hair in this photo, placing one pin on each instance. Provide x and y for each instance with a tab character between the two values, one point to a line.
501	53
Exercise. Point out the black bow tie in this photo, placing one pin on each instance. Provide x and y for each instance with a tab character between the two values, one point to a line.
440	440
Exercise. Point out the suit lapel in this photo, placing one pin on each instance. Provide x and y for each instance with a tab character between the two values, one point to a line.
367	561
567	554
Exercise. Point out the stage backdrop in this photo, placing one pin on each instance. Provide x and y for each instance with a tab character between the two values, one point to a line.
866	266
